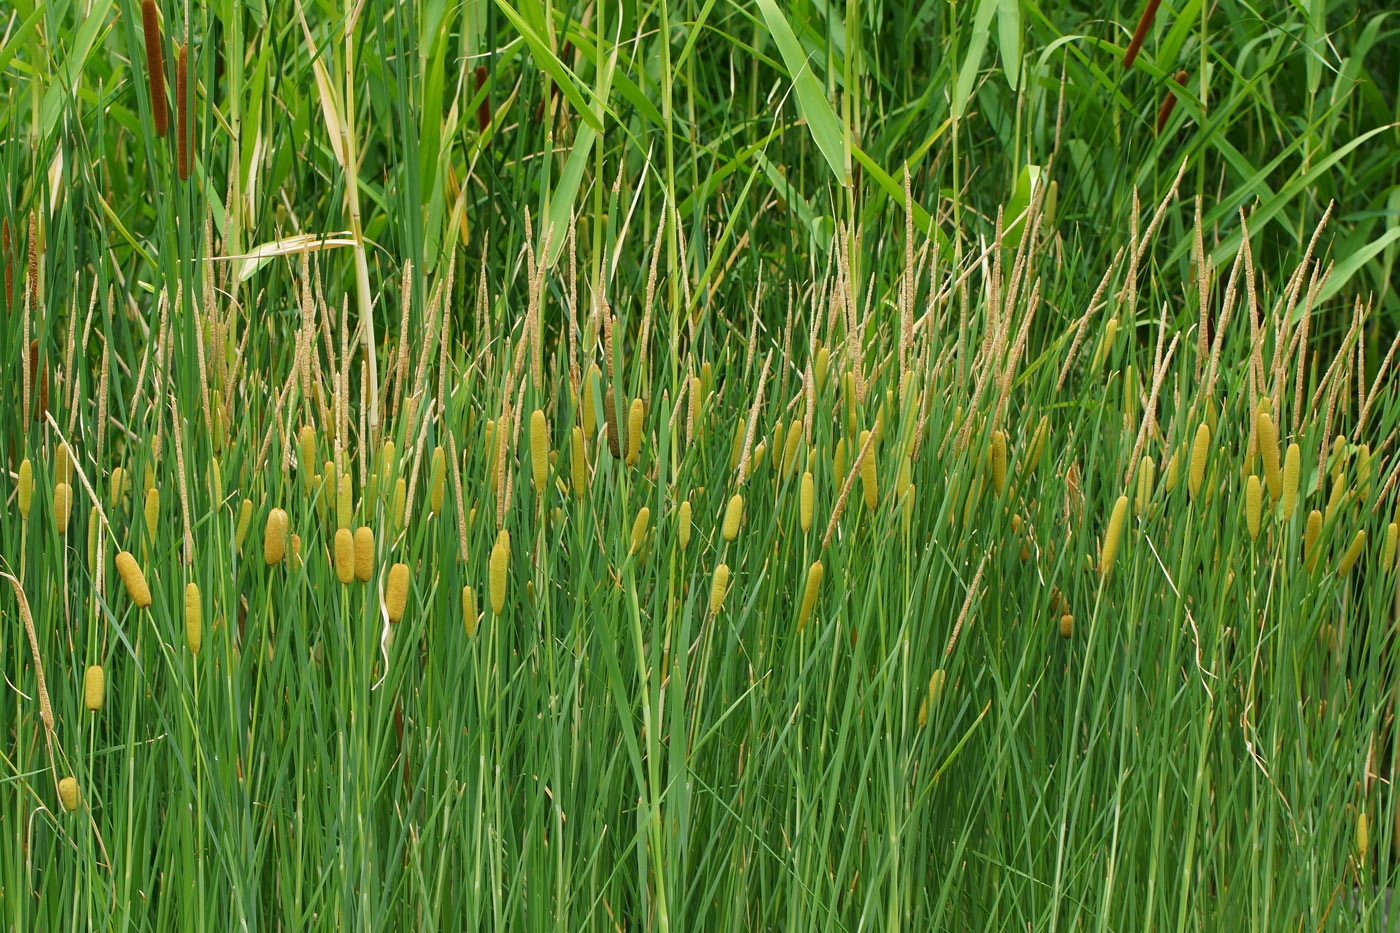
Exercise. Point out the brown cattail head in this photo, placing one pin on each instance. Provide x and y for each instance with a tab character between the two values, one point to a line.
182	113
610	416
483	109
1169	103
1139	34
155	64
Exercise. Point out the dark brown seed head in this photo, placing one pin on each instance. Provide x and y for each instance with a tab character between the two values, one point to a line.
1144	24
483	109
155	64
182	113
1169	104
7	258
39	379
610	416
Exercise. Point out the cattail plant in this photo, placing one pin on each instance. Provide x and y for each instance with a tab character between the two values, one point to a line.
396	592
1253	505
62	506
364	553
997	455
539	449
94	685
26	489
1112	535
155	64
194	618
307	442
1268	447
63	464
590	413
610	416
344	502
809	594
634	431
1352	553
1144	24
1292	463
867	471
1388	554
92	537
639	530
500	558
437	488
400	502
152	512
344	555
1066	626
245	517
275	537
733	516
1200	449
578	464
1169	103
134	580
1310	536
1147	469
1363	839
683	524
790	445
806	501
935	687
469	614
182	113
68	787
718	587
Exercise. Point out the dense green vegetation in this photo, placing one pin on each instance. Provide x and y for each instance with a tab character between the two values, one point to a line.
698	466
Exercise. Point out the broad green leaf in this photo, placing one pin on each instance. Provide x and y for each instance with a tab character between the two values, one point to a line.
967	74
811	98
1009	39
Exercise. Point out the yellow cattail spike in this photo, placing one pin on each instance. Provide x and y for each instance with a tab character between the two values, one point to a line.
134	580
809	595
790	445
1172	473
1147	470
903	479
344	502
245	516
1310	536
634	431
62	506
1253	505
386	463
756	460
1037	445
500	559
1353	553
400	501
1066	626
94	683
1292	463
194	617
118	485
935	687
1200	449
578	464
148	478
733	516
396	592
1112	535
590	412
437	487
1388	556
718	587
838	460
63	464
997	454
68	793
1268	448
736	448
1363	473
806	501
26	488
344	555
1339	491
820	367
867	473
364	553
469	615
683	523
216	483
639	529
539	449
307	466
275	537
152	511
696	397
1363	838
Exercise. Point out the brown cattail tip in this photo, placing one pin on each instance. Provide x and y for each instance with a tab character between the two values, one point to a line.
155	64
182	113
483	109
1139	34
1169	103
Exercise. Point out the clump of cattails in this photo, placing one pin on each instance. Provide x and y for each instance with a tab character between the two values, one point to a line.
275	537
134	580
396	592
